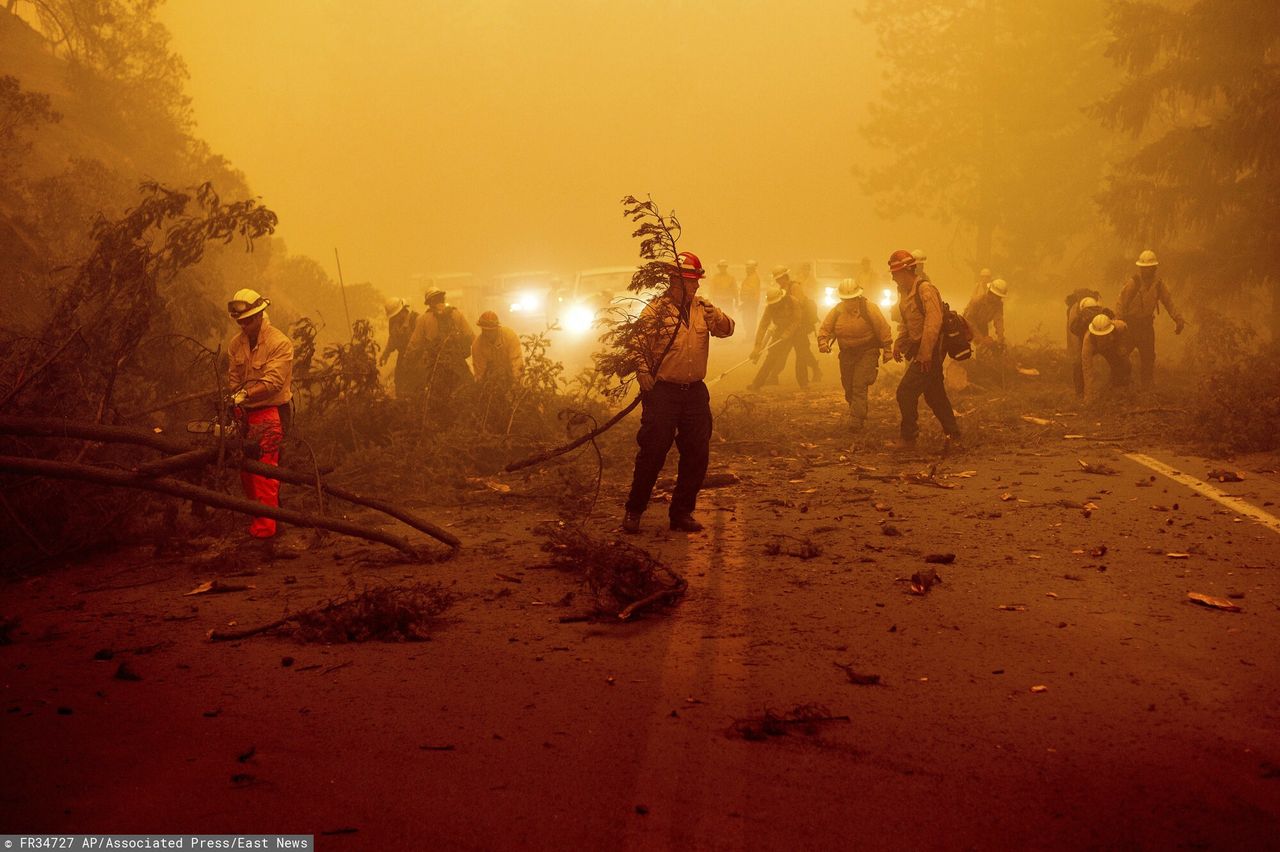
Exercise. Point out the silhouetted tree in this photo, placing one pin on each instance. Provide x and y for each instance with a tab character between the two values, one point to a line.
1203	97
983	118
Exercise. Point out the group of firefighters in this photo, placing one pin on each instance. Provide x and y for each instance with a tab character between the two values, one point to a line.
671	366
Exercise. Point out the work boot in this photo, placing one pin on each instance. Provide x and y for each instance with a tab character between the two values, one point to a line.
903	444
685	523
631	522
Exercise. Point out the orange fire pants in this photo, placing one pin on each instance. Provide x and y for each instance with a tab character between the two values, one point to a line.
265	428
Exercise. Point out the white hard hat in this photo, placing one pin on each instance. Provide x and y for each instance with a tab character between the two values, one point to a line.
395	306
918	254
722	263
1101	325
1148	258
849	289
245	303
984	272
433	294
1087	302
774	295
999	287
779	271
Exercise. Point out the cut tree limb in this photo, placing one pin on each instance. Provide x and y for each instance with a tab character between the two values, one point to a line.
575	443
217	499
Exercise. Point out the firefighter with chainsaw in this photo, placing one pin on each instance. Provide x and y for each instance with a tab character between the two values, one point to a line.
919	342
863	334
675	405
1140	301
259	373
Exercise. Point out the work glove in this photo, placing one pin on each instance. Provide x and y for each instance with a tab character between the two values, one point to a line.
239	397
646	382
825	349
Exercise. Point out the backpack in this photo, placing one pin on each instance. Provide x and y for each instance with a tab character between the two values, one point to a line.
956	335
1080	324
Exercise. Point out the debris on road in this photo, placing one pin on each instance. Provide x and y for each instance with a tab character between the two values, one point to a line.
857	677
385	613
623	578
217	587
1212	602
1178	555
1223	475
940	558
1038	688
923	581
1039	421
806	717
1097	469
1012	607
789	545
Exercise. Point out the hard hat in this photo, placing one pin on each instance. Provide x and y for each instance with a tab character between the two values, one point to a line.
984	273
395	306
1148	258
434	295
849	289
1101	325
774	295
488	319
722	264
900	260
1087	302
751	264
689	266
999	287
780	271
245	303
918	254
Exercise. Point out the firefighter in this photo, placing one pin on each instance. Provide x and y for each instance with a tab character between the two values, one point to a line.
439	346
776	331
259	373
1140	301
724	287
863	334
496	355
980	286
401	321
675	403
749	296
806	362
1113	340
985	314
1079	315
919	342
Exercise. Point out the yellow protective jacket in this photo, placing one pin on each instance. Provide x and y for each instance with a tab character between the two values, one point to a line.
269	365
496	354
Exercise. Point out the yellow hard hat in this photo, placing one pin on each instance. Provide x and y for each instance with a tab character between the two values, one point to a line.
776	294
245	303
1148	258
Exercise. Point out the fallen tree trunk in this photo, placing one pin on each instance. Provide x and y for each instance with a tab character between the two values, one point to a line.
217	499
182	455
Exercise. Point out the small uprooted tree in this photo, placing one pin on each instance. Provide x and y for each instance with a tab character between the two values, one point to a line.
632	334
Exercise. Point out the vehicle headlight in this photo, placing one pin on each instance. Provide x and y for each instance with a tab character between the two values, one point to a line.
886	300
578	319
829	297
526	303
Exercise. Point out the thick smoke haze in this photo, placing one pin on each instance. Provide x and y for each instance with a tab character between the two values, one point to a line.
499	135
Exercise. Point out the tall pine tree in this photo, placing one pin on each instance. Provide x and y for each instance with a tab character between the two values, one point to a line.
1202	96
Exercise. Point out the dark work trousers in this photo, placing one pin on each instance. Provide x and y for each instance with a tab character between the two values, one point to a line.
679	413
1121	370
774	360
916	381
806	361
858	368
1143	335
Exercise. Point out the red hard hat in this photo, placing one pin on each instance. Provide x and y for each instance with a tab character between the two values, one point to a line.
900	260
488	319
689	265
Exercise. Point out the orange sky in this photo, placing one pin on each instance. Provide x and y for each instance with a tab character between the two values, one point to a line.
499	135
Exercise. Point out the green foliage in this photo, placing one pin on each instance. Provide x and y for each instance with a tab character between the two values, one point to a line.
982	121
1203	98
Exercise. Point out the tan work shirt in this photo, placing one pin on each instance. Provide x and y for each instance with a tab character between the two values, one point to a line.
985	310
268	364
724	288
1117	344
1139	302
447	327
496	353
855	324
923	328
686	360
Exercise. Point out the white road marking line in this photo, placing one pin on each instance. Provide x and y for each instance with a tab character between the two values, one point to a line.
1235	504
